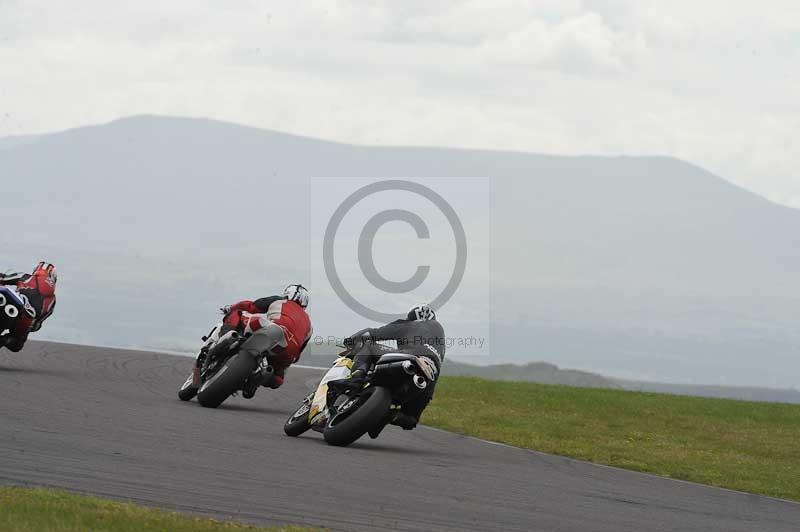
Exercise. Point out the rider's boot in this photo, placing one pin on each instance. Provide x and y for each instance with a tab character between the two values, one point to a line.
274	382
355	381
249	390
264	375
406	421
409	415
362	362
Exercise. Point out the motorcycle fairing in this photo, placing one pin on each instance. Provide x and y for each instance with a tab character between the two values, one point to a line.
10	295
319	404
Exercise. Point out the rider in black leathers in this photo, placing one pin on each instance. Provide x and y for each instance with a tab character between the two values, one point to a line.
419	334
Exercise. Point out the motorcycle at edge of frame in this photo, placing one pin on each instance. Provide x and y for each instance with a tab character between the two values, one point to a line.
13	305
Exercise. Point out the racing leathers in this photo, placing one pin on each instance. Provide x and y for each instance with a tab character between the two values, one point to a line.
424	338
37	290
273	324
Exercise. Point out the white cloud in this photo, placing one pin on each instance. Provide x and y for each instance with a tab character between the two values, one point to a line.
582	44
714	82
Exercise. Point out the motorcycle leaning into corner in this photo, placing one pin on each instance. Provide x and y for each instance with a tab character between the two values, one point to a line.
344	415
221	370
13	308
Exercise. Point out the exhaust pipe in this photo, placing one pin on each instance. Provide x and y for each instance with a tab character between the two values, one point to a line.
420	382
265	369
399	369
266	376
223	343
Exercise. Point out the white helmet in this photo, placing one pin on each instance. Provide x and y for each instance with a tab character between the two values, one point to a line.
296	293
421	312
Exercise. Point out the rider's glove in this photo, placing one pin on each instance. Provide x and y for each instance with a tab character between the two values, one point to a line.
225	310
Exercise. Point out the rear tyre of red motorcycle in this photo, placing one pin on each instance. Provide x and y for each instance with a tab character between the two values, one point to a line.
342	431
226	381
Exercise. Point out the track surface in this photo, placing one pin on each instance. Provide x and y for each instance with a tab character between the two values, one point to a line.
109	422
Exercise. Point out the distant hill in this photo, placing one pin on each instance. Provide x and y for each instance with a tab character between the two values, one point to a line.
540	372
19	140
544	373
643	268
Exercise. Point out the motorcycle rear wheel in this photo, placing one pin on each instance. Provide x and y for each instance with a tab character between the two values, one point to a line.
343	432
226	381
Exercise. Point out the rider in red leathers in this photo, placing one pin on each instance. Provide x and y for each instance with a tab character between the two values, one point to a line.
279	325
38	290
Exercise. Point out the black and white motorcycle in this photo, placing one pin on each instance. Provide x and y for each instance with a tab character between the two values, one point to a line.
343	416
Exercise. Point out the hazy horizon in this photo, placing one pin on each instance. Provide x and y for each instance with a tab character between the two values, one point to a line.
9	141
646	268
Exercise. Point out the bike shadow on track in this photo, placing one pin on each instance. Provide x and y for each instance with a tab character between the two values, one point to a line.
367	445
32	371
252	408
237	408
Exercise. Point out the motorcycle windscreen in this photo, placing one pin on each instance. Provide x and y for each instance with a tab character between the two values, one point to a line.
340	370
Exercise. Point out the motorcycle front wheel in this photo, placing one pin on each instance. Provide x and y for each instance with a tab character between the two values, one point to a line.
298	422
187	391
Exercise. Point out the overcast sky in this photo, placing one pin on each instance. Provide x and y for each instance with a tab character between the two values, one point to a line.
714	82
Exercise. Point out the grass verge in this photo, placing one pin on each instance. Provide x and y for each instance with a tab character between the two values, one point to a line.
753	447
35	510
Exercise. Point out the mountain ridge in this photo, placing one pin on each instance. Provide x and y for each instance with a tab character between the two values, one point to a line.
28	140
644	268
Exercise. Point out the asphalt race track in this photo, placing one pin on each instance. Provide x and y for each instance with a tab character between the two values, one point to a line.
109	422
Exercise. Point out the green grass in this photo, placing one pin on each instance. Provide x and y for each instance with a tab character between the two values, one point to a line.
746	446
29	510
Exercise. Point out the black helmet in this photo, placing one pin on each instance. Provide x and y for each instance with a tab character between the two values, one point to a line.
421	312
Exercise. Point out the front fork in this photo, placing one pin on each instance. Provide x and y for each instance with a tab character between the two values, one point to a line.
198	363
212	340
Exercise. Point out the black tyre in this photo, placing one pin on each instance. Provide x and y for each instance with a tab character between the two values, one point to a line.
298	422
187	391
346	427
226	381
